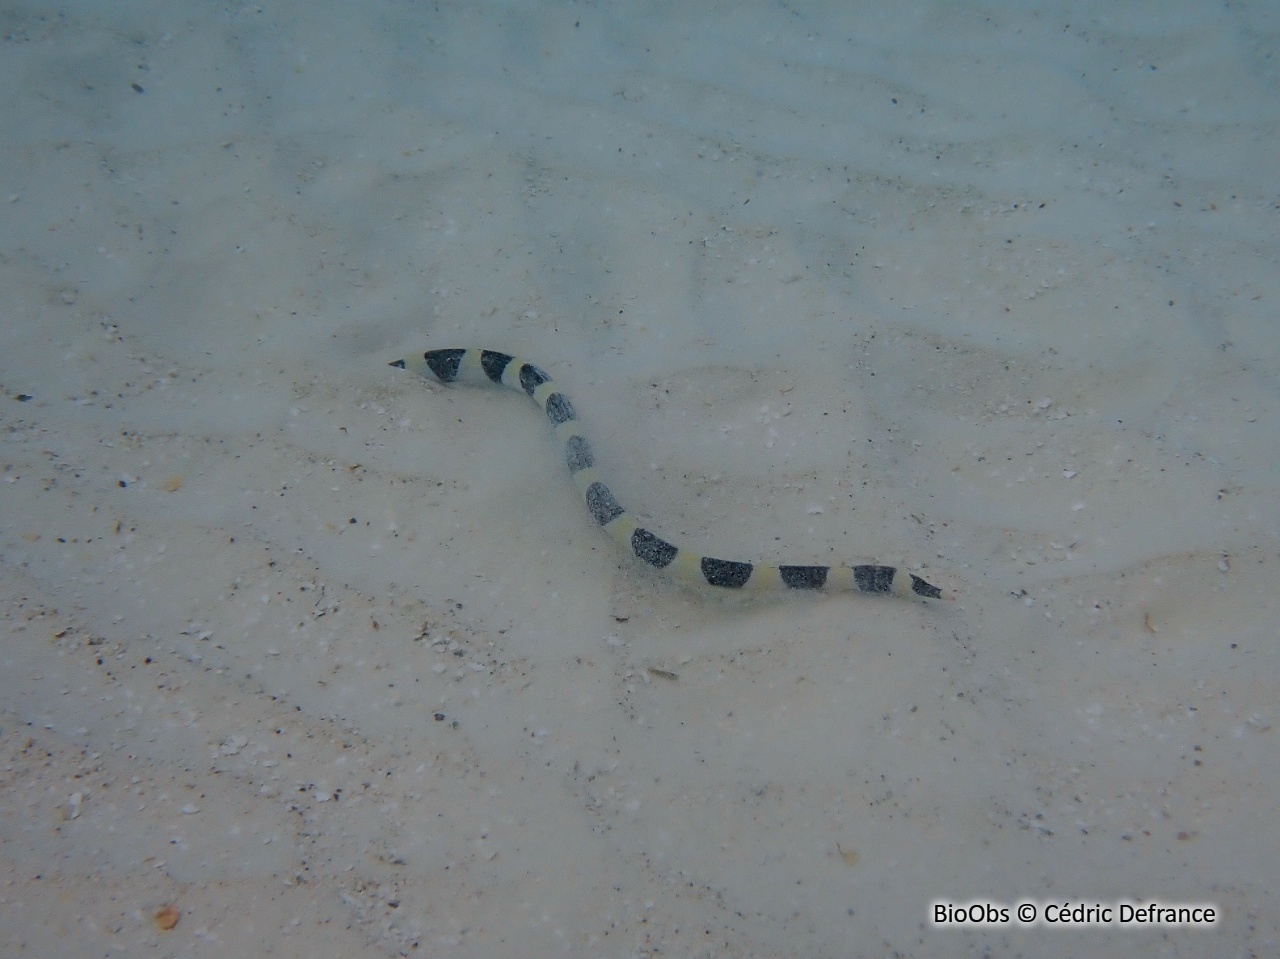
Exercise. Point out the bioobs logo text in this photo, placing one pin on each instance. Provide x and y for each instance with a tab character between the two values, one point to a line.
972	914
1064	915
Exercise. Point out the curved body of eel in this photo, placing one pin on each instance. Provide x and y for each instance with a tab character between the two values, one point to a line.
482	367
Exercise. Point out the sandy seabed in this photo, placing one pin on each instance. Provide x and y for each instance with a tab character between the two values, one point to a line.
305	657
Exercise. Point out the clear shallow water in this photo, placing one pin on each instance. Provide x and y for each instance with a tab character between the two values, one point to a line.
986	287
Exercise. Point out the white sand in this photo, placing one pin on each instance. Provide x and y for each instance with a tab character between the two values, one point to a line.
337	665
